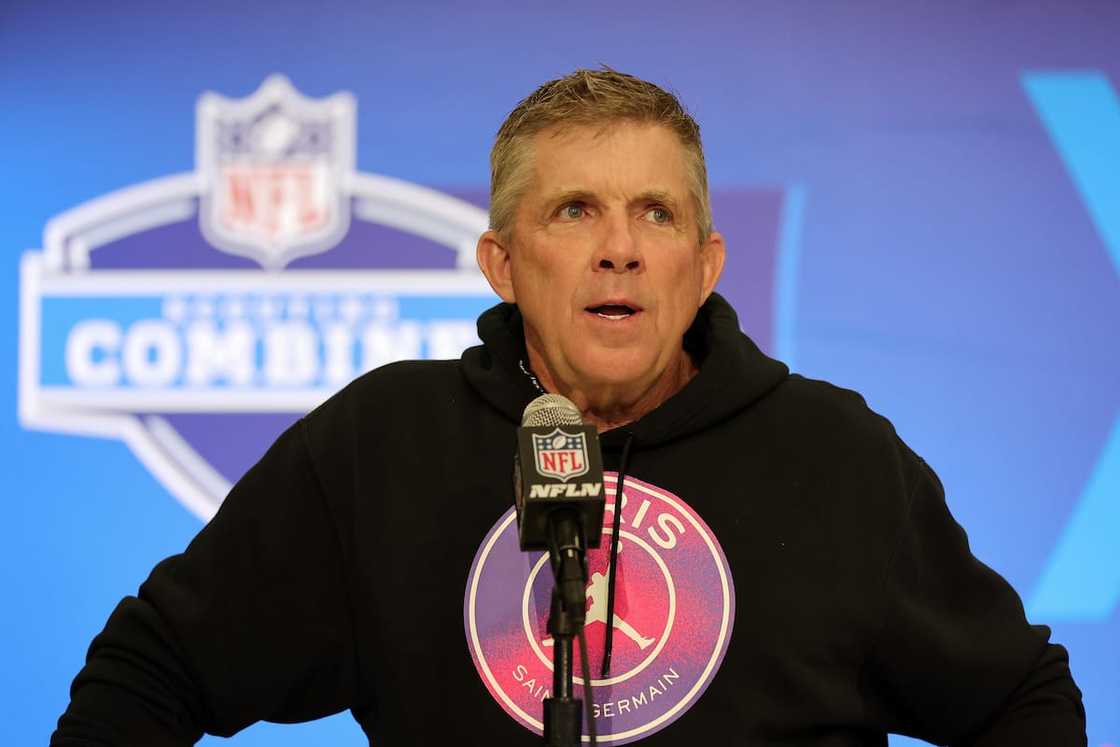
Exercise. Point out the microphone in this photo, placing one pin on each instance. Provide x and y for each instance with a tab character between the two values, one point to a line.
558	492
558	473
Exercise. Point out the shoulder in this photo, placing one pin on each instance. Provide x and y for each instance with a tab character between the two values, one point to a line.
807	406
406	376
394	394
404	383
830	430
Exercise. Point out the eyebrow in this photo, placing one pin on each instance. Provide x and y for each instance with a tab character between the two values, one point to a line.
657	195
570	195
583	195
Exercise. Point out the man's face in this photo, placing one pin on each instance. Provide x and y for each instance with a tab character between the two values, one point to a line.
604	260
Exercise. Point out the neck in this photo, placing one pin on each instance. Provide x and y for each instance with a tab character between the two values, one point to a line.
612	406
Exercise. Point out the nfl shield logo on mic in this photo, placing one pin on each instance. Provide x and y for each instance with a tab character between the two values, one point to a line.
561	455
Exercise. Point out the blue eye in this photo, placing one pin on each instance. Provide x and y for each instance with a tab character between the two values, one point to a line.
573	211
660	215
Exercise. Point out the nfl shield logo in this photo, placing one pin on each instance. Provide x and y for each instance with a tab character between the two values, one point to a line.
275	169
561	455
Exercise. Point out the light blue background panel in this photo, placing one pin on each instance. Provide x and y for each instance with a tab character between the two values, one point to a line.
921	203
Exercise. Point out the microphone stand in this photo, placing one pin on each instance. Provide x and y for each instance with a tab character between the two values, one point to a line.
563	713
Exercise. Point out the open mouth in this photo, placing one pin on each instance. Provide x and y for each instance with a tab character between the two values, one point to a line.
613	311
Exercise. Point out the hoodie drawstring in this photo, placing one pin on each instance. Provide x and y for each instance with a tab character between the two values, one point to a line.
623	464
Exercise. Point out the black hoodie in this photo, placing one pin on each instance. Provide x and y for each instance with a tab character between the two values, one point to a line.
788	574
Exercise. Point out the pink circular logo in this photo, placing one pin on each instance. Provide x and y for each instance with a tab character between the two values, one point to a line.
674	611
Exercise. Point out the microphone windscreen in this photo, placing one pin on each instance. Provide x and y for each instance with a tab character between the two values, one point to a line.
551	409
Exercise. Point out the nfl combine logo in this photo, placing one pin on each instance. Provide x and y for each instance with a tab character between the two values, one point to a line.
196	315
561	455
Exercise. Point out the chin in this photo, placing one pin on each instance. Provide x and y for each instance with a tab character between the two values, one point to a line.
615	369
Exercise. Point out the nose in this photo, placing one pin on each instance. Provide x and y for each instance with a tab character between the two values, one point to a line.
619	250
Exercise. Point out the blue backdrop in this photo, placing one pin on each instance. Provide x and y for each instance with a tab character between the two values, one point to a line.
922	202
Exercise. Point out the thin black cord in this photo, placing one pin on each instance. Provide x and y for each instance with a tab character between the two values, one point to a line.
608	644
588	704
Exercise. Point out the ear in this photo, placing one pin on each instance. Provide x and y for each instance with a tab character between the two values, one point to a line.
712	254
494	261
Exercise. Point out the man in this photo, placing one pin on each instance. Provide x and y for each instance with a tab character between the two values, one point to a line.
790	564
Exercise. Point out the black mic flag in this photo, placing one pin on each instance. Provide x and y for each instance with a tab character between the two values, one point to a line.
559	469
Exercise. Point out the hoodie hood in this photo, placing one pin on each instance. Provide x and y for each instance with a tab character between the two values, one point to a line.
733	373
